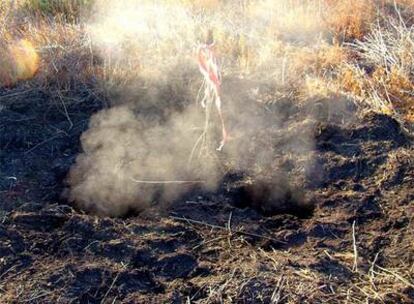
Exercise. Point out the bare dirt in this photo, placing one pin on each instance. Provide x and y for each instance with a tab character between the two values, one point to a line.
238	244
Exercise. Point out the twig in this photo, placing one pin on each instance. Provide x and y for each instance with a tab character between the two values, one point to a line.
41	143
86	248
41	295
15	94
110	288
397	276
183	219
229	222
7	271
65	110
207	242
229	229
355	267
277	293
371	269
166	182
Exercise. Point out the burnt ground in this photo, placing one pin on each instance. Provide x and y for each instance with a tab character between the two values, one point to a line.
348	237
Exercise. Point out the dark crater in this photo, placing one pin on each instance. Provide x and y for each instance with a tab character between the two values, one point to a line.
272	196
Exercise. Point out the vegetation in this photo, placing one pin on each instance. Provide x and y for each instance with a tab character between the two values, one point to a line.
360	48
69	59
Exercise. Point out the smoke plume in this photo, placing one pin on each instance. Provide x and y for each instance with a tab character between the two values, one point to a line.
140	151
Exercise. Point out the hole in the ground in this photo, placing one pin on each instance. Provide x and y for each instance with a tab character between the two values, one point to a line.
268	196
272	196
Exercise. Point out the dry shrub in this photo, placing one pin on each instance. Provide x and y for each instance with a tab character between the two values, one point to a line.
332	56
310	71
350	19
67	59
292	21
6	68
397	88
359	85
236	48
397	9
319	59
316	88
70	10
387	56
351	79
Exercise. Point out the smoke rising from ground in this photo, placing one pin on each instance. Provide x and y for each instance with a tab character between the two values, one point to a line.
123	155
149	132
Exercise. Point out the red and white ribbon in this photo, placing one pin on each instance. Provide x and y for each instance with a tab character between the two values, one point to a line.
207	63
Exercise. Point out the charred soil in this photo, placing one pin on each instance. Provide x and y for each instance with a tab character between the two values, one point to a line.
340	228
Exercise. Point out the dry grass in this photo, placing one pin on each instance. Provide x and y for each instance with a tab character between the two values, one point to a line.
375	68
60	48
69	10
350	19
383	75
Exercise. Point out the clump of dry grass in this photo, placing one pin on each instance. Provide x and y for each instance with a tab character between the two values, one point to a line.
384	74
69	10
350	19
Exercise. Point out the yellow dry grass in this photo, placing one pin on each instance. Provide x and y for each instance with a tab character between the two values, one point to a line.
298	43
350	19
